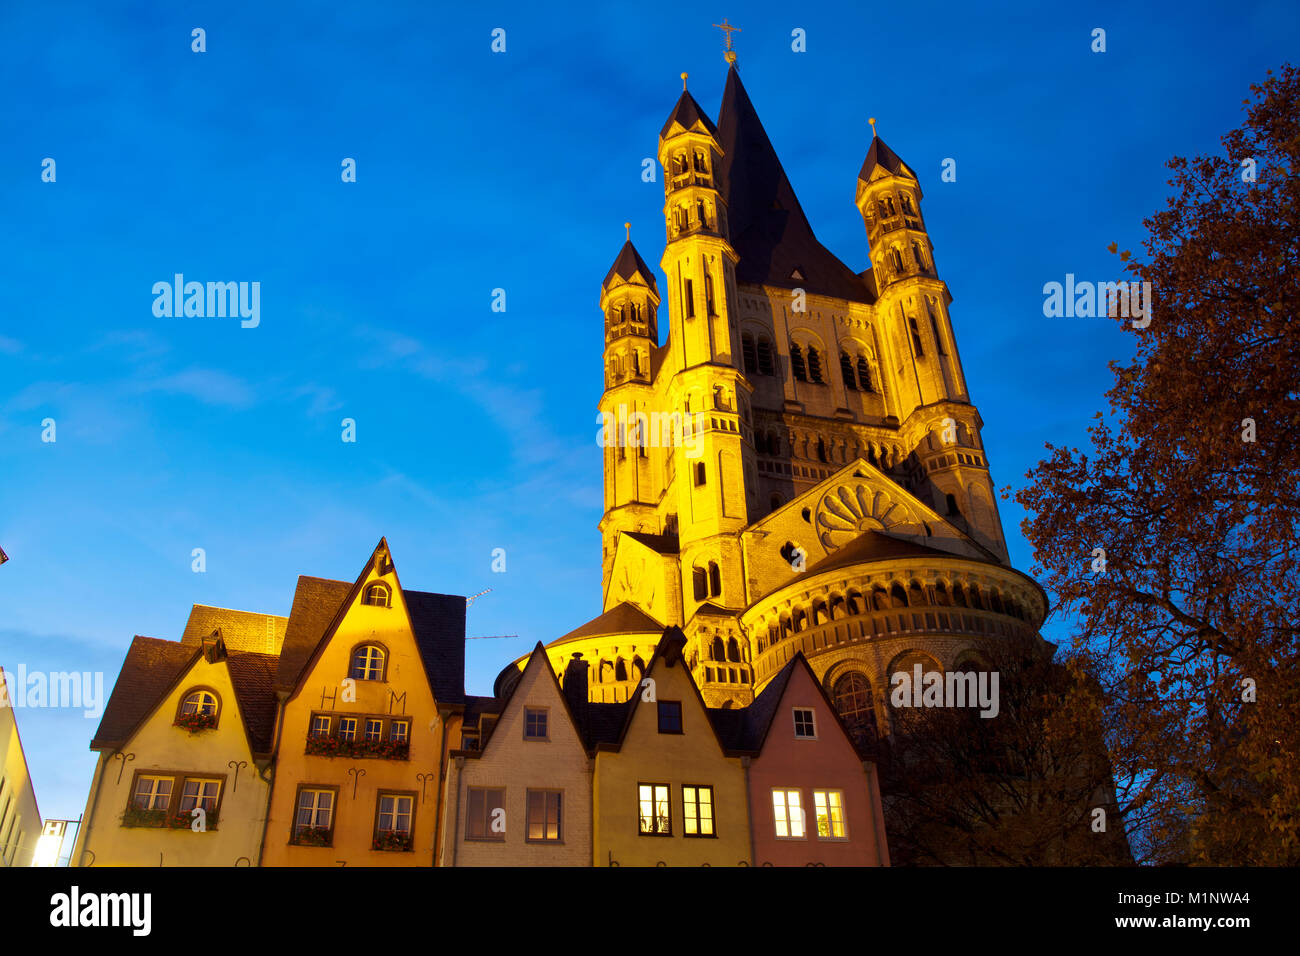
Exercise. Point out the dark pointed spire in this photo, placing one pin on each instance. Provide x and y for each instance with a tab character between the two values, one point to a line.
881	155
687	113
769	230
628	264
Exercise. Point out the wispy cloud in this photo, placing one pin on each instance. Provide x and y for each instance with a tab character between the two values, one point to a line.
209	386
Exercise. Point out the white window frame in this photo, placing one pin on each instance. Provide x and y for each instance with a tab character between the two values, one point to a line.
401	805
789	814
811	716
315	809
350	735
154	792
828	803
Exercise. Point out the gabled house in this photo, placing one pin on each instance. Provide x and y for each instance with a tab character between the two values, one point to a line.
185	746
520	793
814	799
370	686
666	790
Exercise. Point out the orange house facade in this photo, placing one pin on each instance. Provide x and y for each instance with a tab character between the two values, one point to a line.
370	683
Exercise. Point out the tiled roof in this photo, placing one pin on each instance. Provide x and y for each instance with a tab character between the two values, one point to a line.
877	546
623	618
150	669
254	678
439	624
628	264
315	603
881	155
769	230
240	630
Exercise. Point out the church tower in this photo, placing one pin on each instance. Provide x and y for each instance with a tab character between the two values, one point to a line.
941	426
713	492
629	300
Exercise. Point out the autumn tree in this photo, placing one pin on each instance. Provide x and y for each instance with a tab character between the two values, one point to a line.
1021	787
1171	542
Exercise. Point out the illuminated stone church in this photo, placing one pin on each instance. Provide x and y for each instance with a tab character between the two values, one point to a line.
836	498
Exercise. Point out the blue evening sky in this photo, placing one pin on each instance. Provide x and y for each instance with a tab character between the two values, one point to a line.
476	429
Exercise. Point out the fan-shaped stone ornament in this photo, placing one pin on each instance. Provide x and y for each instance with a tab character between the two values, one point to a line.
852	508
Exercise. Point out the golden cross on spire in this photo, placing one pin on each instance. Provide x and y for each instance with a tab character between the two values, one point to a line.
730	54
628	227
872	121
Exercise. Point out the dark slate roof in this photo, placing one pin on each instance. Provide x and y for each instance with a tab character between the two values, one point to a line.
439	624
240	630
729	725
623	618
876	546
759	714
662	543
769	230
315	602
475	707
687	112
151	668
628	264
254	678
708	607
604	722
881	155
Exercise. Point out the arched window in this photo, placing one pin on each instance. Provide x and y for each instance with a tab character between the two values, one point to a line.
700	166
821	449
952	505
907	204
796	363
896	258
201	702
938	339
765	364
846	370
774	502
897	598
605	672
699	473
917	347
700	578
709	307
864	375
716	650
814	366
941	597
715	580
959	596
368	663
733	651
704	224
853	701
620	670
800	620
916	254
377	595
750	352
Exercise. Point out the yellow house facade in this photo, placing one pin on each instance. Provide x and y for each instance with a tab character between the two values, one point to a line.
184	747
20	818
666	791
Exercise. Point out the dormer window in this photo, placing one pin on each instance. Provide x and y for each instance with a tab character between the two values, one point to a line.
377	595
368	662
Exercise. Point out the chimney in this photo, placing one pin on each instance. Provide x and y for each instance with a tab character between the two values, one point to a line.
575	687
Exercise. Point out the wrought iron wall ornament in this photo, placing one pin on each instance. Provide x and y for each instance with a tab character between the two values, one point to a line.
424	778
356	775
124	758
236	766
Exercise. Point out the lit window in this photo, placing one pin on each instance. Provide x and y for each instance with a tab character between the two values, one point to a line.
374	729
377	596
367	663
394	815
200	702
544	816
788	810
200	793
697	811
829	807
347	728
655	810
670	716
315	816
805	724
534	723
400	731
153	793
320	726
483	821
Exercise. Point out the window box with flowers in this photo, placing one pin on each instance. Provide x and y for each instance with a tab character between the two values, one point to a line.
196	722
184	820
392	840
136	817
313	836
334	747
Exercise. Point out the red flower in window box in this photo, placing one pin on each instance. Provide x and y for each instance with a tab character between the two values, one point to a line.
136	817
391	840
312	836
196	722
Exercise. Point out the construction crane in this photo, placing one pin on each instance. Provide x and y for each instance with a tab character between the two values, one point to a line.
470	600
